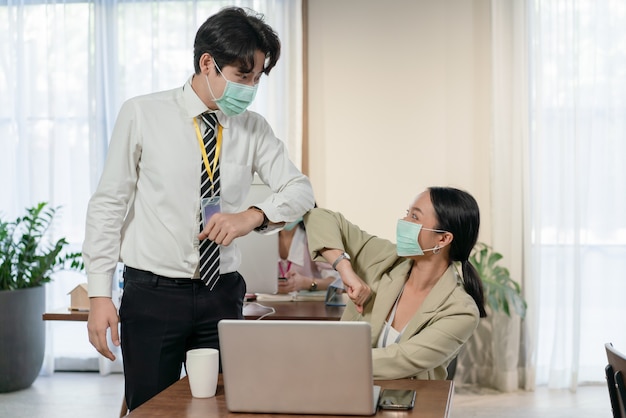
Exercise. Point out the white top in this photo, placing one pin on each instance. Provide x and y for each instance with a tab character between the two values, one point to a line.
301	261
390	335
146	209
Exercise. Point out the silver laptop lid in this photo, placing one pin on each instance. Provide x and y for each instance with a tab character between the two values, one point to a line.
259	252
297	367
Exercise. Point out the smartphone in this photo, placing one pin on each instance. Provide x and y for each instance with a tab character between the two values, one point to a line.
397	399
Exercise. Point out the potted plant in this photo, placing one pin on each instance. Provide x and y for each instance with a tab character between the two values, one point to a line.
490	357
501	291
27	261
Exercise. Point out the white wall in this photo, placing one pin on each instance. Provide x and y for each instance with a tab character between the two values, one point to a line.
399	99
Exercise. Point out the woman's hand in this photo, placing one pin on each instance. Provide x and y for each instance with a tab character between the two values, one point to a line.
286	285
358	291
294	282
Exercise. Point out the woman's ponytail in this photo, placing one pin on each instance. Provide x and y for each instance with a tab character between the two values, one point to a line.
474	286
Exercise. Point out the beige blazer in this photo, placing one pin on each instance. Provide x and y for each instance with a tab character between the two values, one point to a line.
434	336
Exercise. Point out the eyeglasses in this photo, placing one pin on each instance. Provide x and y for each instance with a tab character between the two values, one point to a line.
439	231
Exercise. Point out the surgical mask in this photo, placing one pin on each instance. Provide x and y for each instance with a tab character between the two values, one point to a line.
236	97
406	237
292	225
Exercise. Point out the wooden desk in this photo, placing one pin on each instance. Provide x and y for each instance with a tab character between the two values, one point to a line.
309	310
65	315
315	310
434	400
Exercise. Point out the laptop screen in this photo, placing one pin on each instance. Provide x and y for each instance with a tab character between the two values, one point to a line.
259	253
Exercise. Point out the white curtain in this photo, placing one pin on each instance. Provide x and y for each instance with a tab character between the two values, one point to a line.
508	182
578	186
558	184
496	355
65	69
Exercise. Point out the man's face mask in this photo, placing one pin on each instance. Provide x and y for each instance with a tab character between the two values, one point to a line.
236	97
292	225
406	238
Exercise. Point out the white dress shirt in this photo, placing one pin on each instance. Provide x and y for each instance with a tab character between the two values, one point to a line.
146	209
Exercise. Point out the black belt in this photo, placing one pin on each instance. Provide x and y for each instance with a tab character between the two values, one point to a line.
150	277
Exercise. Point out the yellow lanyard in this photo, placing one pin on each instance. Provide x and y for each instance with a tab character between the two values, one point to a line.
203	150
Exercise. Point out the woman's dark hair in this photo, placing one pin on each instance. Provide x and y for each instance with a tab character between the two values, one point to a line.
232	36
458	213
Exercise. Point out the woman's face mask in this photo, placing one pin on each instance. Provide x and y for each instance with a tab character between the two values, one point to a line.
236	97
406	238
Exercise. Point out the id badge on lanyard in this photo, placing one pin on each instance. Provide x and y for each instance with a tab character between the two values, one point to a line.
211	205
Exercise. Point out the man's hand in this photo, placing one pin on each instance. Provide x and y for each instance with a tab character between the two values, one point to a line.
223	228
102	315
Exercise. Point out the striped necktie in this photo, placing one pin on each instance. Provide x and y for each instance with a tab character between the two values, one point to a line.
209	250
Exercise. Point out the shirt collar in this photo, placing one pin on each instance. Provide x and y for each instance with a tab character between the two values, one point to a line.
195	106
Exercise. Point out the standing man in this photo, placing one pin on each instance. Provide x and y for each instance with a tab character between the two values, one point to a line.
168	205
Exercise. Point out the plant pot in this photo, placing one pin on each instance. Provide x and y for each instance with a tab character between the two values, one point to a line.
490	356
22	337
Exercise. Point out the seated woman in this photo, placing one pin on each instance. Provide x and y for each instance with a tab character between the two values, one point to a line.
296	269
420	310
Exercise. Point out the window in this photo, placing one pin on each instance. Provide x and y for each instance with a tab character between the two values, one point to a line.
578	178
65	69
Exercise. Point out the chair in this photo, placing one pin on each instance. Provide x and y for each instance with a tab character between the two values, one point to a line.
452	368
615	372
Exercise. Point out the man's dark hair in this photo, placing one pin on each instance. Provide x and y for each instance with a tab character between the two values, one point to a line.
232	36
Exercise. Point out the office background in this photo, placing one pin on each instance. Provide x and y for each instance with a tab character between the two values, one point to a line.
518	102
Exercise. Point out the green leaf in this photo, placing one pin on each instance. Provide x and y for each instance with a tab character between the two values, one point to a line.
502	293
28	258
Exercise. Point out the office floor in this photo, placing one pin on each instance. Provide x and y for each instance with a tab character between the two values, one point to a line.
588	401
66	395
69	395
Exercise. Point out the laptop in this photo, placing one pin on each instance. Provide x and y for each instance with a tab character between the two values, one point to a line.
298	367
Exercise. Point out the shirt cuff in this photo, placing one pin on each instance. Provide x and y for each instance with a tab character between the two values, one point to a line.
99	285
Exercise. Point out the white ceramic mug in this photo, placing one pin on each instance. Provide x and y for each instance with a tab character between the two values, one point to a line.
203	367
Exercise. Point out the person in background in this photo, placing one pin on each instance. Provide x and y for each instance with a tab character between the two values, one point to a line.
179	168
420	309
296	269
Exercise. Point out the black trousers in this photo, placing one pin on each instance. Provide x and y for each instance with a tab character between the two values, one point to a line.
161	318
